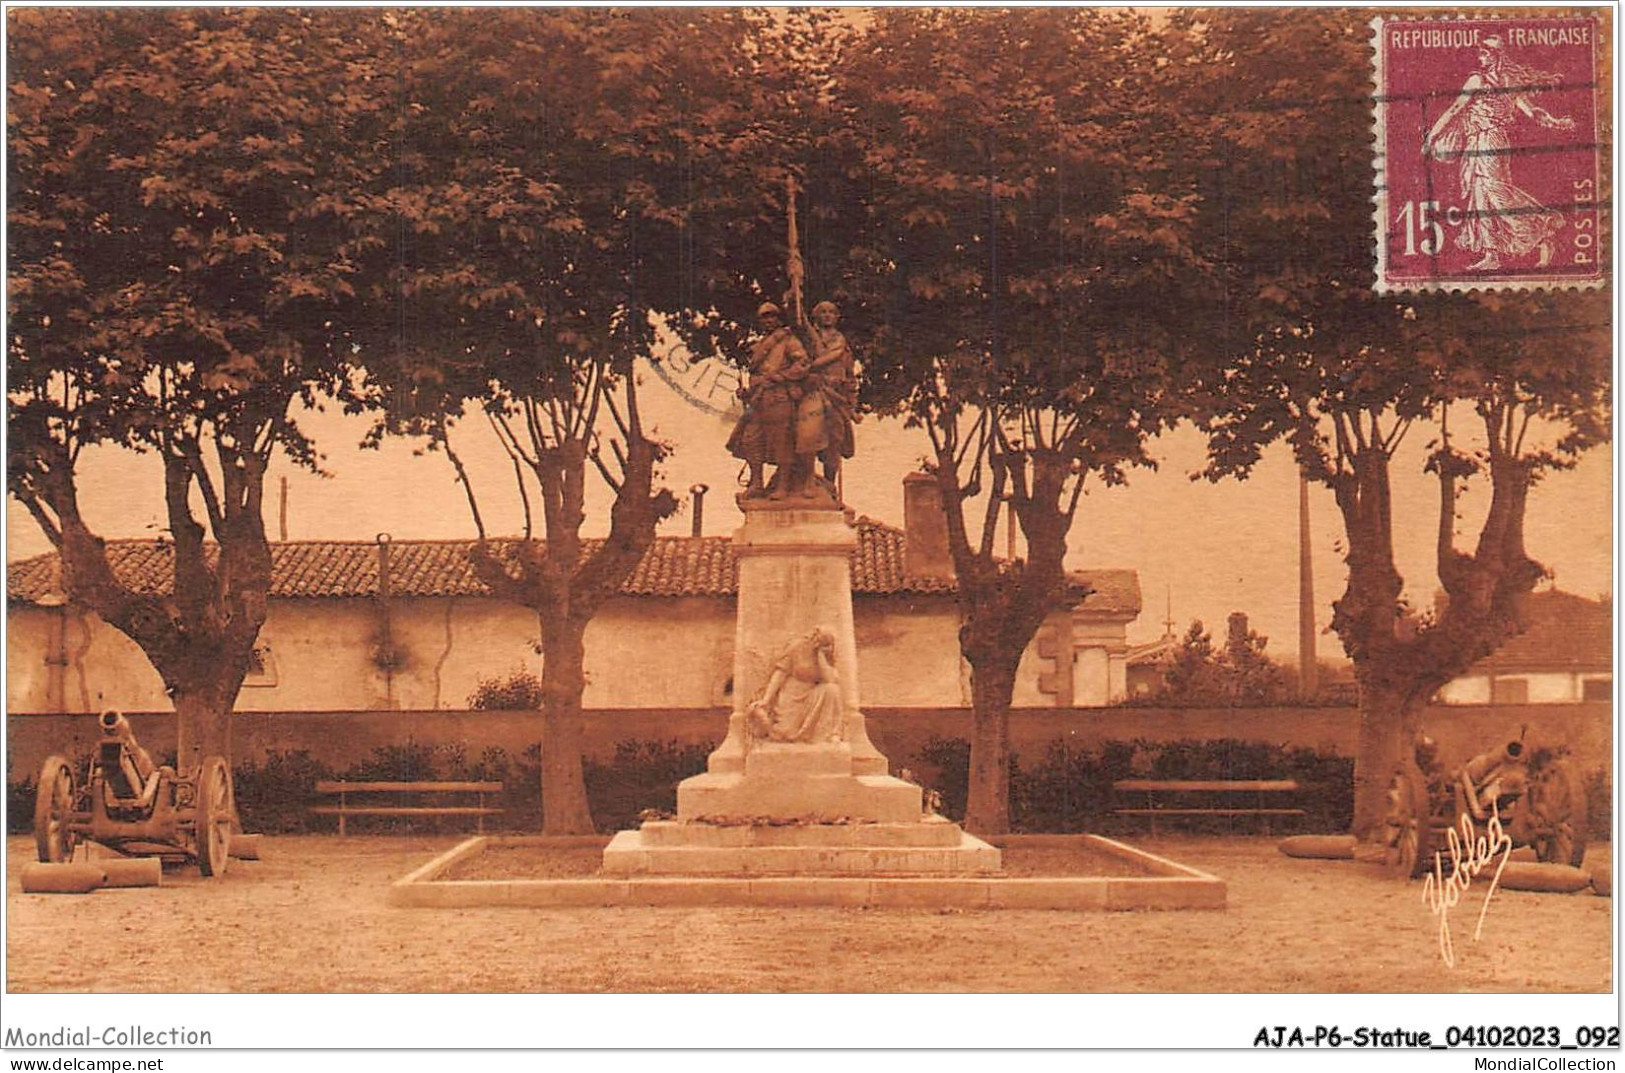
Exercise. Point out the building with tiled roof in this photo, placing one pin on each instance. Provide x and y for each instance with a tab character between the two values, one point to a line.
666	642
1564	655
673	566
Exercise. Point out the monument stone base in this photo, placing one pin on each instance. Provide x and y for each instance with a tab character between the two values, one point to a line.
808	783
673	849
774	807
799	809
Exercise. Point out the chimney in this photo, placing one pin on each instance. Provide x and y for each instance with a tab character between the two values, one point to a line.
925	530
698	491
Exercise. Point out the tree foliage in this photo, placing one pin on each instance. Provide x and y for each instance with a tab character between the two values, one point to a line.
1017	223
568	182
1237	674
1052	233
1507	386
176	261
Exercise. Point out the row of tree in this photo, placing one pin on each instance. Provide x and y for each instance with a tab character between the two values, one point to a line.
1053	234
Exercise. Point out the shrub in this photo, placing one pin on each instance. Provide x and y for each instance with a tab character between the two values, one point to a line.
1599	798
20	806
519	691
20	795
522	792
274	797
1070	789
642	775
946	769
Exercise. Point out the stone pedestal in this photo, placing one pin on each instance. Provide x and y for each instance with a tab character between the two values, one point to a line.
794	575
764	807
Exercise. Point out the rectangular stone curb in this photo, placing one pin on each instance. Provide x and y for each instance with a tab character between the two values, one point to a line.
930	894
1038	892
1158	866
548	841
681	891
789	892
439	865
520	893
1037	841
1177	887
1165	893
1060	893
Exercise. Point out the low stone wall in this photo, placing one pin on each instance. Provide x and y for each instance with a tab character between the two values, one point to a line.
340	739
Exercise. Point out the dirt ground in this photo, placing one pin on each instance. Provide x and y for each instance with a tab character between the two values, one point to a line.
312	917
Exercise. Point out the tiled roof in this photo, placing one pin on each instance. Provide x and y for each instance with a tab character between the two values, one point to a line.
673	566
1565	633
1115	591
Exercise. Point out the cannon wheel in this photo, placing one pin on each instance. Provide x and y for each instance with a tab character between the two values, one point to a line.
53	807
1556	806
213	822
1408	842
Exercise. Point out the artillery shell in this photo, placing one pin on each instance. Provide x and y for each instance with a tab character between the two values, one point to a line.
246	847
133	872
81	878
1548	878
1326	847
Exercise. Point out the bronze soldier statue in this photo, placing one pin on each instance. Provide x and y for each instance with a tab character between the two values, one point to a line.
773	430
834	377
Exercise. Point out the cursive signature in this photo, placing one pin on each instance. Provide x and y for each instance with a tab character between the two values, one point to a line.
1470	853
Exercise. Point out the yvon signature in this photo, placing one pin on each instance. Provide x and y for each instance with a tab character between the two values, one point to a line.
1469	853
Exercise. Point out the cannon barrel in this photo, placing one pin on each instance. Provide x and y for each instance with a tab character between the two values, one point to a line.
124	762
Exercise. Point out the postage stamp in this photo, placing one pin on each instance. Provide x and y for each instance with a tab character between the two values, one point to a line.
1488	160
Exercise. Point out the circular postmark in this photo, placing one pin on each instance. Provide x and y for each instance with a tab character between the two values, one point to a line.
709	384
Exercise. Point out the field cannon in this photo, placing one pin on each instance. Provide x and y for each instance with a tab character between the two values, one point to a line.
134	806
1535	791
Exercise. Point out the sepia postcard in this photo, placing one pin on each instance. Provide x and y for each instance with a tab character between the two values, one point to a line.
523	517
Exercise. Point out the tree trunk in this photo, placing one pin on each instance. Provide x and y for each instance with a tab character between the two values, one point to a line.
987	809
202	727
1398	673
1388	729
564	789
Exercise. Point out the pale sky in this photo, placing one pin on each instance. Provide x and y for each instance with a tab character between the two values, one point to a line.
1216	548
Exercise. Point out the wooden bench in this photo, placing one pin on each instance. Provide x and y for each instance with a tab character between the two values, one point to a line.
1184	790
366	789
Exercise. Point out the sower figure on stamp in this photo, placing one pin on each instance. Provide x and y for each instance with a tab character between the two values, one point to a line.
771	431
1502	218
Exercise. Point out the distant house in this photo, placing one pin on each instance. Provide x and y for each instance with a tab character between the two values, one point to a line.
1149	663
334	641
1564	656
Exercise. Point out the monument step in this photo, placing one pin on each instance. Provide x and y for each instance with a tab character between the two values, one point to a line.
809	799
630	854
930	832
773	760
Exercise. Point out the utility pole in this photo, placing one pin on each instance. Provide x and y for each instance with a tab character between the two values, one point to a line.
1308	668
